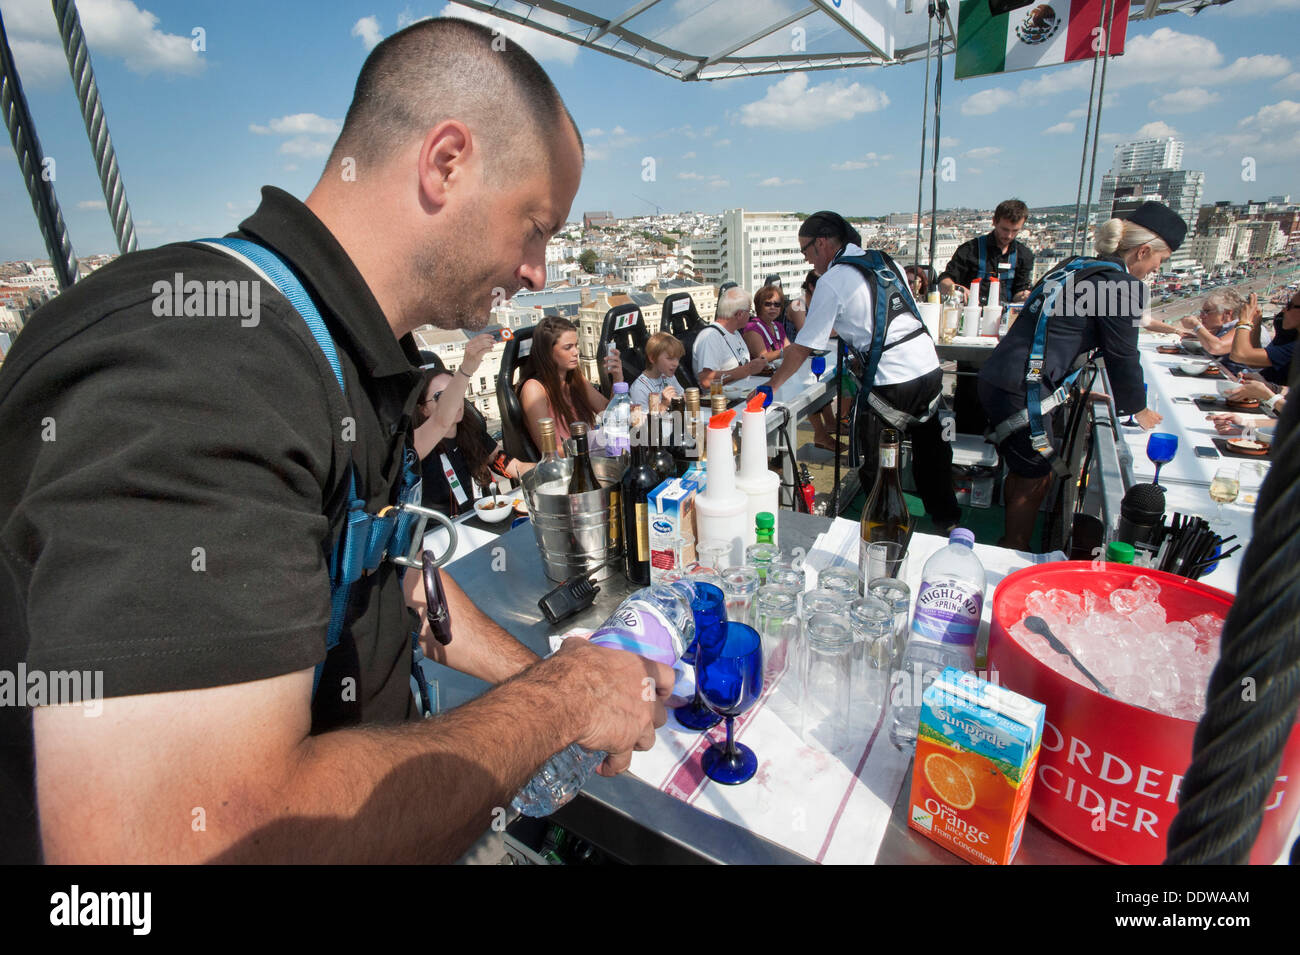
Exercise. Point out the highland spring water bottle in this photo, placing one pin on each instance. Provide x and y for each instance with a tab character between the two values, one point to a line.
945	623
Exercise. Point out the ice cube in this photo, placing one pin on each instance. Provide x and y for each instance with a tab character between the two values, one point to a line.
1065	604
1145	585
1147	617
1126	601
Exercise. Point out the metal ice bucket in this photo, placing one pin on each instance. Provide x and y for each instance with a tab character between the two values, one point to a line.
577	533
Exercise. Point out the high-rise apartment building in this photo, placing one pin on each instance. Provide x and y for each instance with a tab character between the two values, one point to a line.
749	247
1148	169
1148	155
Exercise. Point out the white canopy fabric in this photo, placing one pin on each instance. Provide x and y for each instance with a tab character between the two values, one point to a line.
720	39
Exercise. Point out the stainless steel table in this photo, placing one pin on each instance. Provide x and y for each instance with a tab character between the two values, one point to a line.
625	817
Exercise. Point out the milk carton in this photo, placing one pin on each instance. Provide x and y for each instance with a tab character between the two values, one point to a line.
671	511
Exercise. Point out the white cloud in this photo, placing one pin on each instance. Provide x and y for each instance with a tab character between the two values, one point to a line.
406	18
708	130
869	161
115	29
982	152
1285	113
1187	100
691	176
91	204
542	46
948	142
778	181
618	131
718	183
1059	129
1155	130
299	124
1288	83
721	143
368	29
987	101
689	155
593	133
304	146
791	103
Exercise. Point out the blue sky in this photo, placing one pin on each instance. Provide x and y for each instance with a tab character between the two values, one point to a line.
199	132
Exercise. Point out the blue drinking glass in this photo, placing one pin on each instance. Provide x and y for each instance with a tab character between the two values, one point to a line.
818	365
710	610
729	674
1161	448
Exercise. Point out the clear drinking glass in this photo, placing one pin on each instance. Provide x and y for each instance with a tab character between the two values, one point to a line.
899	597
871	621
827	685
740	584
715	554
761	557
885	559
840	580
783	574
1224	490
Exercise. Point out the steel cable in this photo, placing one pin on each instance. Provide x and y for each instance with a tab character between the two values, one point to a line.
1240	740
92	111
31	161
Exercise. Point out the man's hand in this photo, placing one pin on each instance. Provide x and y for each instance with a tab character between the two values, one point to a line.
1252	314
1251	389
1227	423
1148	419
620	694
475	349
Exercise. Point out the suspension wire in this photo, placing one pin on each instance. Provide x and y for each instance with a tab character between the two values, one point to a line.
1109	14
1255	687
942	7
92	111
27	150
1087	129
925	122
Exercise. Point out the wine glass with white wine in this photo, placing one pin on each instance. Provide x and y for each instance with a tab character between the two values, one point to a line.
1224	490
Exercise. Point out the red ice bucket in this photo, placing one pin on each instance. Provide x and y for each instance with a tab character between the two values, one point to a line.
1109	772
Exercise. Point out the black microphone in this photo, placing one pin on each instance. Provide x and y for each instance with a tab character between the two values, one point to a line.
1141	516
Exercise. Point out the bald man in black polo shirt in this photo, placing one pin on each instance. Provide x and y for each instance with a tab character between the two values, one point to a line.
171	483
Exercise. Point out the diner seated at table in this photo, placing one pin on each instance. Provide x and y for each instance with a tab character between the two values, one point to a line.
466	450
1274	359
553	386
917	281
764	334
663	353
720	351
1212	327
1234	423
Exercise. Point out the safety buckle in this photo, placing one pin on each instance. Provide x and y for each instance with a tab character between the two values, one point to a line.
413	557
1040	443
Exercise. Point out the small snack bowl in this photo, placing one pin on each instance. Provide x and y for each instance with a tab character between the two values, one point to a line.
1227	387
494	509
1194	367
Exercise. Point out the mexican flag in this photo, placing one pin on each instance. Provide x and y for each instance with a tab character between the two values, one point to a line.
1041	34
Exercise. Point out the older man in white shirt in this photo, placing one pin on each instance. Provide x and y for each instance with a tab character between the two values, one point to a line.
720	351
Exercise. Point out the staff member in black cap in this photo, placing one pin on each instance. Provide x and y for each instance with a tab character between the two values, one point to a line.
1082	306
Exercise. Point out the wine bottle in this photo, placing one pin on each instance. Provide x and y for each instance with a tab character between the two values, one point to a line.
661	449
549	468
885	516
584	476
638	481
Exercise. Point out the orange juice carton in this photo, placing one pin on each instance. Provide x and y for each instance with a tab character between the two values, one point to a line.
671	513
976	752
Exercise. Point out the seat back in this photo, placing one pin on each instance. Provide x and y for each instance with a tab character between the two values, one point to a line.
515	439
624	325
683	322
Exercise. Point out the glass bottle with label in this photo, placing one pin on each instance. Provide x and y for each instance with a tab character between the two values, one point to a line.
584	476
639	481
549	468
885	517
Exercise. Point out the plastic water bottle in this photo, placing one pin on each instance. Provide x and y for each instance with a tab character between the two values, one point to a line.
617	423
655	622
945	623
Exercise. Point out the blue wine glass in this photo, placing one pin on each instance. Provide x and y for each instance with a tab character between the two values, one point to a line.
729	674
710	609
1161	448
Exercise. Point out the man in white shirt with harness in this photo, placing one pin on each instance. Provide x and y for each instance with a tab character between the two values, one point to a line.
905	390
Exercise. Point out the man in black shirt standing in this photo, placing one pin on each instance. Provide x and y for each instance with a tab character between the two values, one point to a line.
995	255
172	480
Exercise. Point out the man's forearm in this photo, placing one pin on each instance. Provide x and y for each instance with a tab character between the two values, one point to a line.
478	647
416	793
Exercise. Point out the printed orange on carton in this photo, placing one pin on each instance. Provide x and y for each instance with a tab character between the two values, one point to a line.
976	749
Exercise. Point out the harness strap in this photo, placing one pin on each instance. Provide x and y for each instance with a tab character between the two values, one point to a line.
365	539
982	244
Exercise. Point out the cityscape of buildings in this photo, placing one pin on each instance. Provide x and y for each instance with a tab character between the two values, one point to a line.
601	262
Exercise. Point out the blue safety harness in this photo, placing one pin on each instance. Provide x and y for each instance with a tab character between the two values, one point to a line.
364	540
1041	304
982	244
891	299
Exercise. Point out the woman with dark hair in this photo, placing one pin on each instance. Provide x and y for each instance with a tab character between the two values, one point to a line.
553	386
458	463
764	335
917	281
904	389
